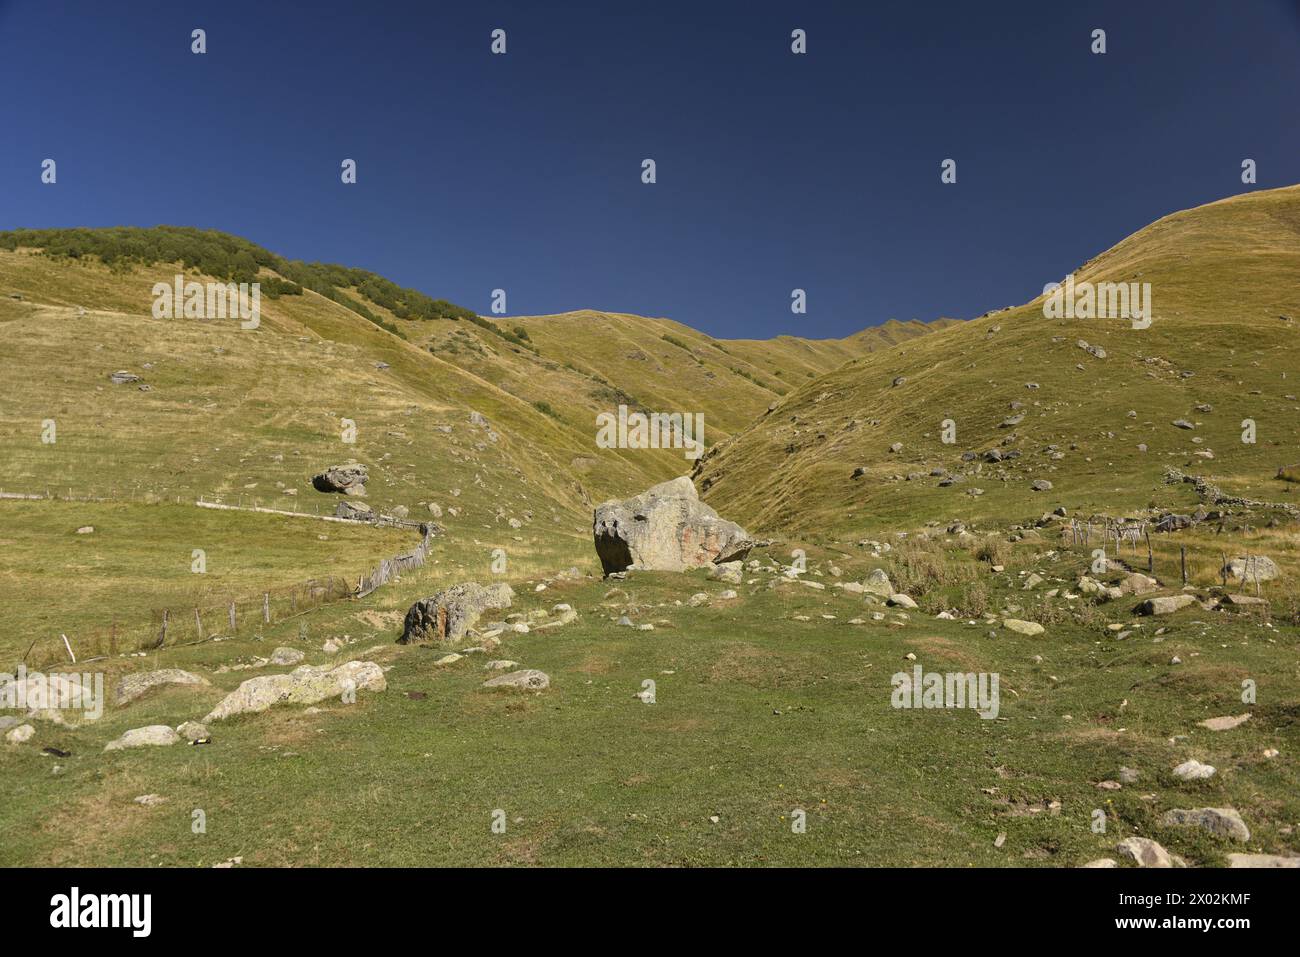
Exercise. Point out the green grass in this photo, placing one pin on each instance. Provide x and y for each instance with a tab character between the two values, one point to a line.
757	714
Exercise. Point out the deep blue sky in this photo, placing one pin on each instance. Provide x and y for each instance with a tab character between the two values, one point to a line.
775	171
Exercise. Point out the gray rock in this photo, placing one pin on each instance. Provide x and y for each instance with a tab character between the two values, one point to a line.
1256	568
192	731
151	735
1028	628
1262	860
530	679
666	528
731	572
1193	771
1164	605
356	511
877	583
348	479
123	378
1219	821
1041	485
1144	852
286	656
450	614
20	735
132	686
1226	723
303	685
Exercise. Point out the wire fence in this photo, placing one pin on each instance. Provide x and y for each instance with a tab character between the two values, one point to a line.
181	624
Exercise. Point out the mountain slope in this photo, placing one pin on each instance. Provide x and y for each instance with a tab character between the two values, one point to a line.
1225	283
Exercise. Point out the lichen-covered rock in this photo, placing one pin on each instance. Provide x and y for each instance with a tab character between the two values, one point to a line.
1255	568
450	614
192	731
666	528
154	734
134	685
530	679
286	656
304	685
1219	821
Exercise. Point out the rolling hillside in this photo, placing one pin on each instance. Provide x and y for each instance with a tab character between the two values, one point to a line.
1089	405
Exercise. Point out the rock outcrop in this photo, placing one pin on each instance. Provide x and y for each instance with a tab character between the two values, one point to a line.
303	685
450	614
132	686
666	528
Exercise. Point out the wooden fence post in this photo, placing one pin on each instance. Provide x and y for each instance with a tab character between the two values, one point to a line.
198	623
232	617
266	607
1182	558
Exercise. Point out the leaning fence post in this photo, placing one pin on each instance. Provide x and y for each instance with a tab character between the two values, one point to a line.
69	647
198	623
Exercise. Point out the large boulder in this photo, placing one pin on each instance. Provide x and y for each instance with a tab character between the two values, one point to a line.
348	479
450	614
666	528
1255	568
303	685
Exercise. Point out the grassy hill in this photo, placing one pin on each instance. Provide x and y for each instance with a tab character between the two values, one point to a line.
1225	283
247	416
774	695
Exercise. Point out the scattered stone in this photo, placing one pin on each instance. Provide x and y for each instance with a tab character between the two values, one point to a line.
1103	862
152	735
1255	568
122	377
1041	485
731	572
286	656
192	731
355	511
150	800
1144	852
530	679
450	659
20	735
1226	723
1219	821
500	664
1164	605
86	530
1262	860
1028	628
899	600
1193	771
